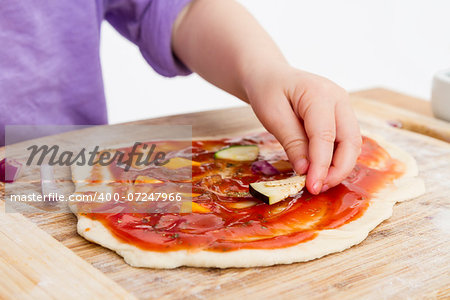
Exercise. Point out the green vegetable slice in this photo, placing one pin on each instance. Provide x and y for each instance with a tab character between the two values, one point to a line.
274	191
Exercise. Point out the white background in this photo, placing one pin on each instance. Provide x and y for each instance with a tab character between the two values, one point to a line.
397	44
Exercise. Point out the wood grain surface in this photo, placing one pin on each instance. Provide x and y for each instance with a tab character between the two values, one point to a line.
401	118
407	256
33	265
396	99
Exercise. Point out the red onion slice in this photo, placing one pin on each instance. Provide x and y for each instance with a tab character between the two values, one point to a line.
263	166
10	170
395	123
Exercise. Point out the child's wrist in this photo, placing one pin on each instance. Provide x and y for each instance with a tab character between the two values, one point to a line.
265	78
257	76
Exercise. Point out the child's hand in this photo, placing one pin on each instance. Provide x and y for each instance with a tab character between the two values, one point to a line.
308	114
312	118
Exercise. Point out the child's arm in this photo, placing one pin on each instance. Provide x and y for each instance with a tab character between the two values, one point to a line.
308	114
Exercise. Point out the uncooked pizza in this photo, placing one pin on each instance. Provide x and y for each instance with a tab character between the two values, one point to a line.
235	202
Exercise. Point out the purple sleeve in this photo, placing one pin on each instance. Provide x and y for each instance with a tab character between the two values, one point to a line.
148	24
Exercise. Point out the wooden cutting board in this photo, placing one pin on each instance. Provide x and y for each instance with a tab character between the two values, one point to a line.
407	256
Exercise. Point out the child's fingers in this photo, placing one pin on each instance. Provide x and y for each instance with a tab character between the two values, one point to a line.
343	162
280	120
320	127
293	138
348	149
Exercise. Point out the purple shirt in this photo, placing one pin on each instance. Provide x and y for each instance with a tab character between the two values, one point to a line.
49	55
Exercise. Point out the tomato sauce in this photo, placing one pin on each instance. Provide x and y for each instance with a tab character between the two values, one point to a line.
235	220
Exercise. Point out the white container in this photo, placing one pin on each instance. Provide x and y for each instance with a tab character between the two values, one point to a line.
440	95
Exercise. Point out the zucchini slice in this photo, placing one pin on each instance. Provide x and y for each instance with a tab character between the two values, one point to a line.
238	153
274	191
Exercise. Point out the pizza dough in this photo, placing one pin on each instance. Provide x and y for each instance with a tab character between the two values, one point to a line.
328	241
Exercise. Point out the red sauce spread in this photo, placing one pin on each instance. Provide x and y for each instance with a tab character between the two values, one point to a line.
234	219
